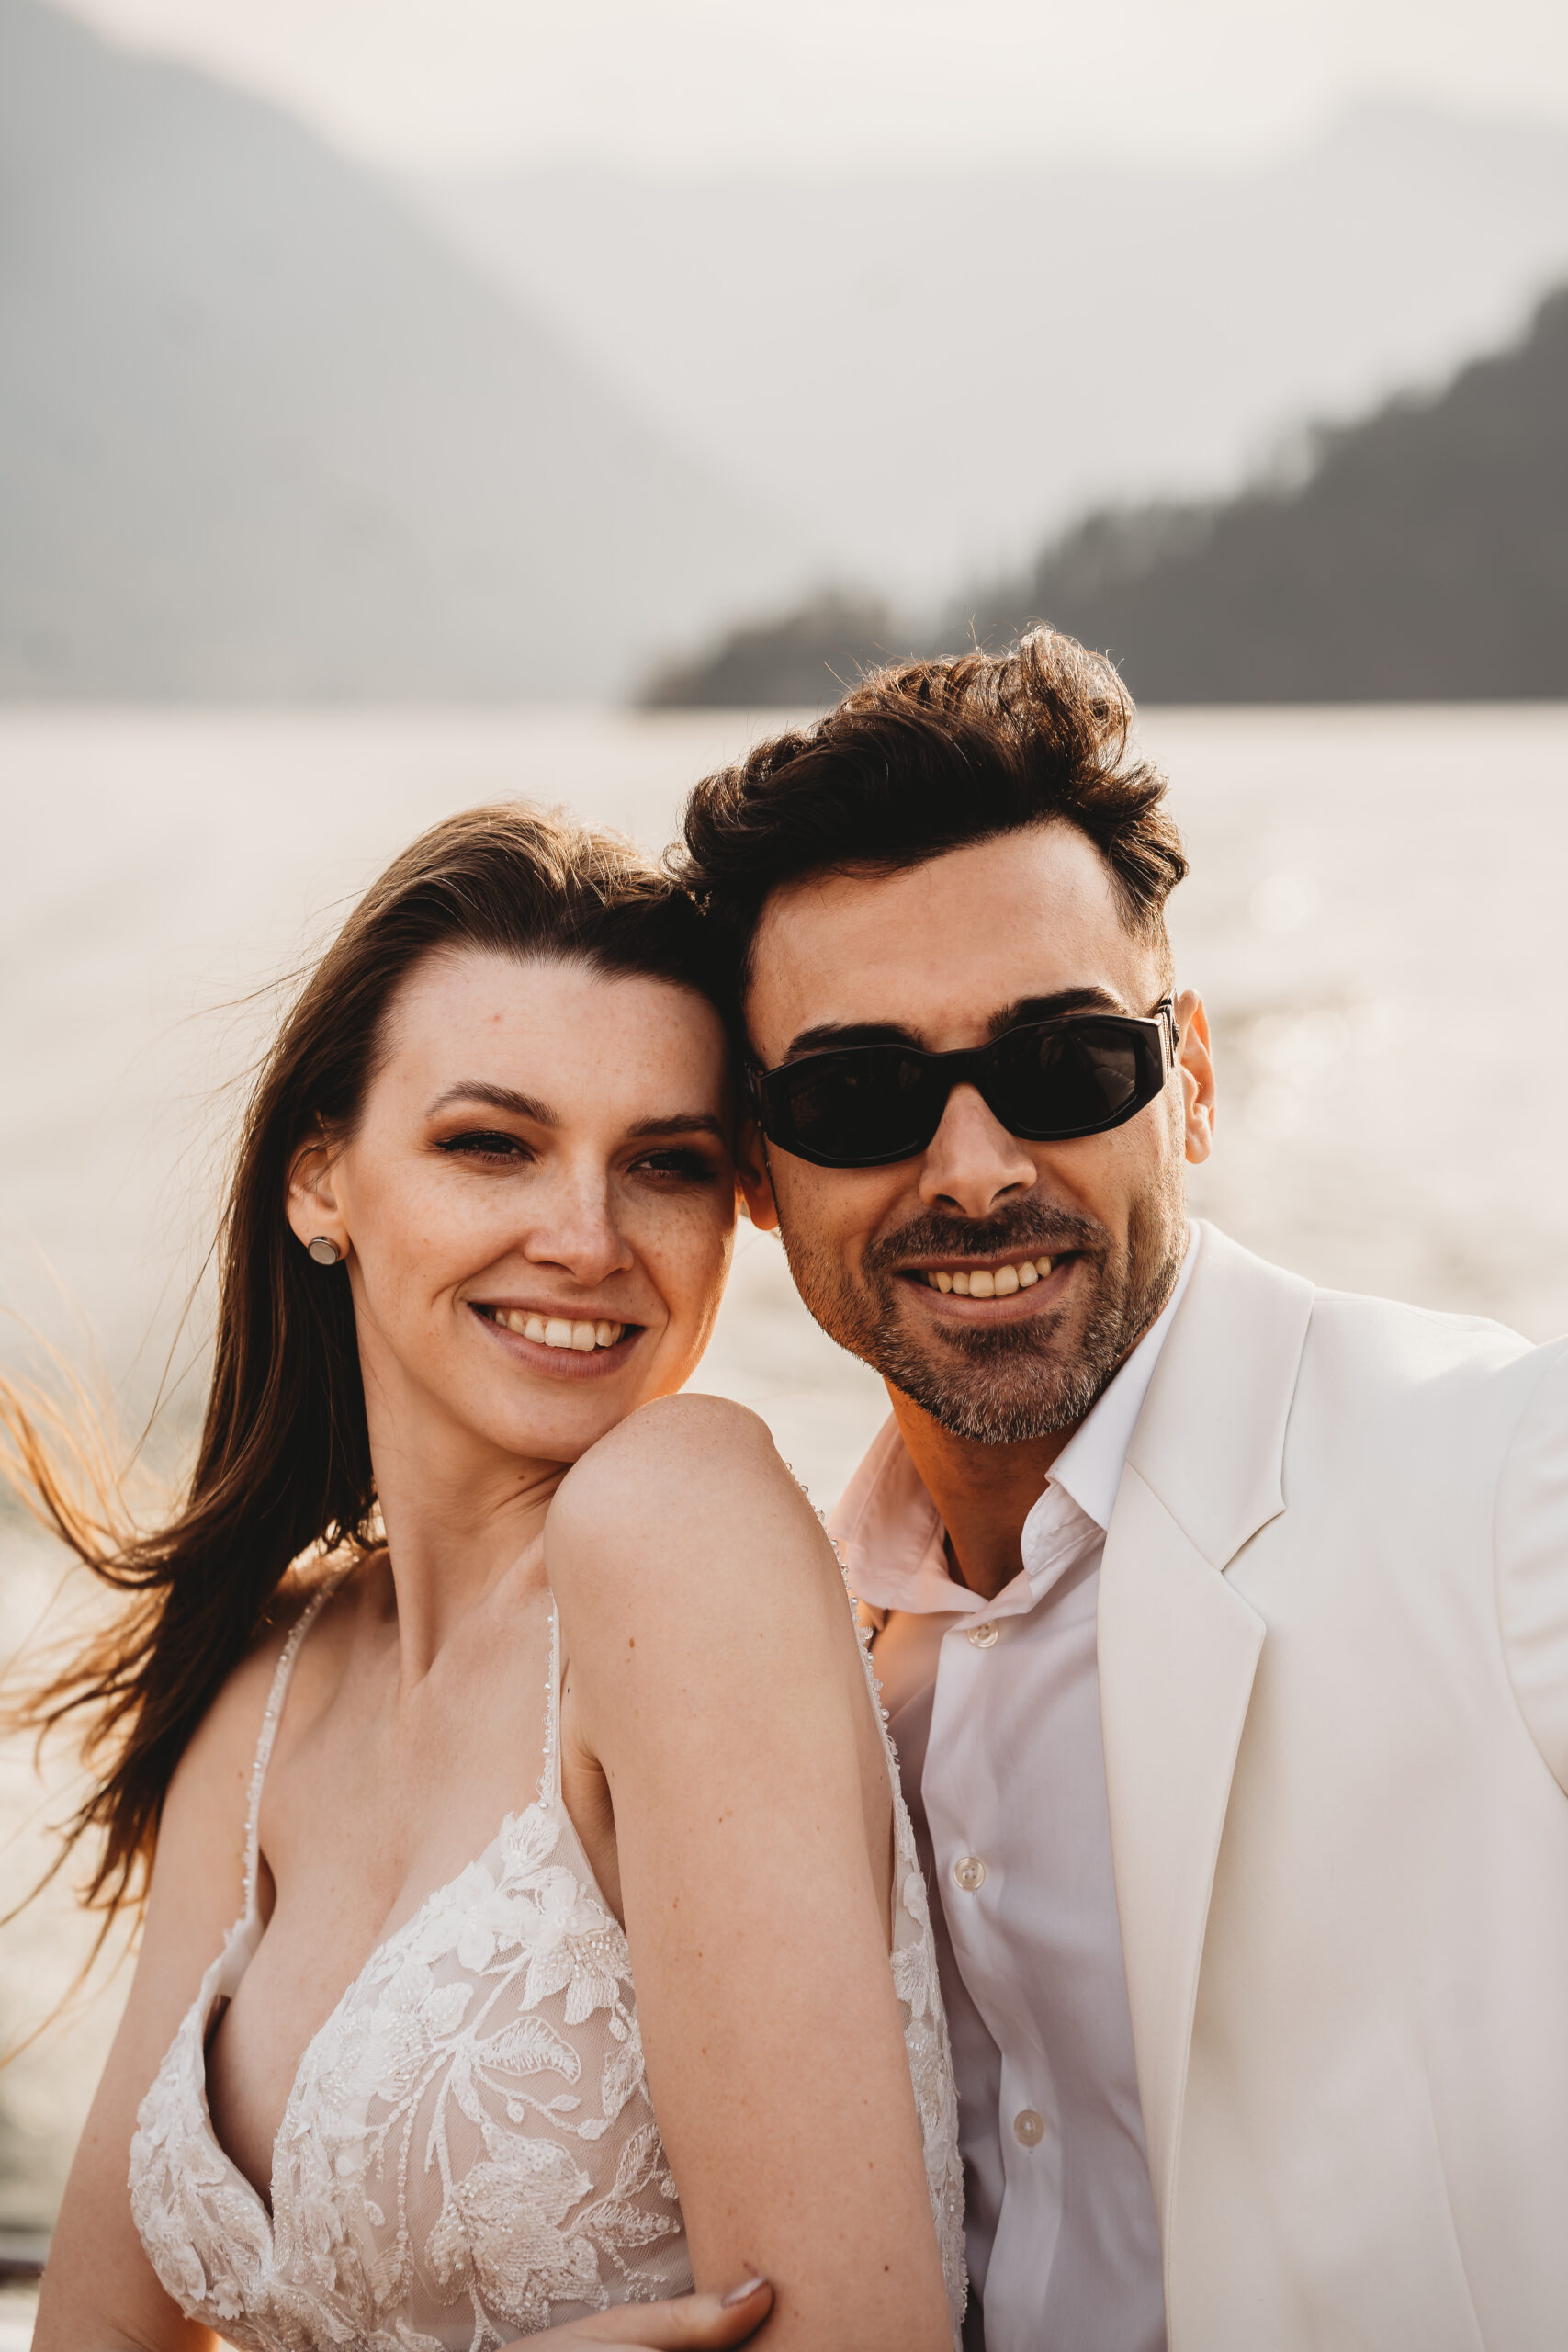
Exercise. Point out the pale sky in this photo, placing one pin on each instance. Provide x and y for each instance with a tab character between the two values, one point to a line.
826	86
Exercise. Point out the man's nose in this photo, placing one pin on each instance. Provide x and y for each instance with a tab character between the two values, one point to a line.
972	1163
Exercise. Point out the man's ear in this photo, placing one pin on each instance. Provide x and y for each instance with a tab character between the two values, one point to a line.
754	1181
1196	1066
313	1205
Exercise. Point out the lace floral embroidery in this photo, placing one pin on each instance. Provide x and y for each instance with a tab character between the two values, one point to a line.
468	2153
435	2154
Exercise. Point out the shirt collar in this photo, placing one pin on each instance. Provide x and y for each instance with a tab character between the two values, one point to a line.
1089	1465
889	1537
893	1546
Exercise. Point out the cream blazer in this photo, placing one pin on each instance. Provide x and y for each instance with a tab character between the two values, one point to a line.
1333	1686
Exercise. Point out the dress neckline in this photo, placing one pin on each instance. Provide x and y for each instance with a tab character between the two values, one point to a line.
378	1951
221	1979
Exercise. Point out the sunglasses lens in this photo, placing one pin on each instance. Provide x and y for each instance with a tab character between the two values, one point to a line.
865	1106
1047	1082
1070	1079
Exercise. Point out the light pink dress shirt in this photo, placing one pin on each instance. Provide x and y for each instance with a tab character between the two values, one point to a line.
995	1715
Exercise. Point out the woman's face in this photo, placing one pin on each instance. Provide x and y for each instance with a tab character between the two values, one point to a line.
537	1207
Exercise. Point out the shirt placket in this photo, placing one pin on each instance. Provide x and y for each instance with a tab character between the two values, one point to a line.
969	1803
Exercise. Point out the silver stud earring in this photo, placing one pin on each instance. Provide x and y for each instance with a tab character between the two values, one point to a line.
325	1252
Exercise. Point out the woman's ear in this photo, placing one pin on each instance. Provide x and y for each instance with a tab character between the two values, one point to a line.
312	1206
752	1181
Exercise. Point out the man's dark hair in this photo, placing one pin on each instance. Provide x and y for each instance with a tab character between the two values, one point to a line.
926	757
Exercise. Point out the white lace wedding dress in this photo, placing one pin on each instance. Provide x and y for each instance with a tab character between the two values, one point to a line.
468	2153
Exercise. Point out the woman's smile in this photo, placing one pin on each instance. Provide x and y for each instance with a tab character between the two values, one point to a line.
565	1342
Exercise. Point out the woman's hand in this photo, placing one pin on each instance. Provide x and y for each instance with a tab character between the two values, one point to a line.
686	2324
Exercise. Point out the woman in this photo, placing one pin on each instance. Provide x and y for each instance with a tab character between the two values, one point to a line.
521	1833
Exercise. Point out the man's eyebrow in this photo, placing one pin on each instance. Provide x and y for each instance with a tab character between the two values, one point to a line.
702	1123
1055	1007
496	1098
830	1034
827	1035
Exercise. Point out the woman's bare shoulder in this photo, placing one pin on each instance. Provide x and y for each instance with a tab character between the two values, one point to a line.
671	1469
683	1530
675	1435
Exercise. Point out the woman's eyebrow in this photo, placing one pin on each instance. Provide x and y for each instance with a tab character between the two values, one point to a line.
497	1098
689	1122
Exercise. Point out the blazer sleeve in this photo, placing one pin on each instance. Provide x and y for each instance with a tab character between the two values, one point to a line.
1531	1561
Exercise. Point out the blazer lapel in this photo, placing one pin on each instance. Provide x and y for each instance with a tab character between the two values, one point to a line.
1178	1646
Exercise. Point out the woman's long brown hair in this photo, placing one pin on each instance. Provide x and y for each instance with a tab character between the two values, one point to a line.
283	1468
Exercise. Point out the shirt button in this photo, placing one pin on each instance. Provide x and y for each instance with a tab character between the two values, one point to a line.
1028	2127
969	1872
984	1637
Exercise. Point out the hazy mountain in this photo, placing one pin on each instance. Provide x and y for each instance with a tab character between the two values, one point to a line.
1423	555
1423	558
262	433
805	657
934	375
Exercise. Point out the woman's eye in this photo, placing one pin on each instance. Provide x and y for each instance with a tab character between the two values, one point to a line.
486	1143
676	1167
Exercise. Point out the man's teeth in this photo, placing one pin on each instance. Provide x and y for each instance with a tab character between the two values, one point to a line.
983	1283
554	1331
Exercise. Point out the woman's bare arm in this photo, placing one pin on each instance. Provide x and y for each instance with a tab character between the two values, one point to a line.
100	2293
715	1676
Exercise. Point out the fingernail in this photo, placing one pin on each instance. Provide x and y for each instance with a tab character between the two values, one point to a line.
741	2294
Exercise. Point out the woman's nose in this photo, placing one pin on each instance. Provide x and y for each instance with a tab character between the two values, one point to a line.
575	1228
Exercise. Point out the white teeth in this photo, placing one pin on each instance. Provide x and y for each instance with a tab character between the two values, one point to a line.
982	1283
554	1331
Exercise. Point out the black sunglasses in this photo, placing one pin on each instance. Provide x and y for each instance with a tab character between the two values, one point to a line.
1047	1081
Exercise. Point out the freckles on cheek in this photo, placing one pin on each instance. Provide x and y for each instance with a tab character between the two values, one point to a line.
688	1266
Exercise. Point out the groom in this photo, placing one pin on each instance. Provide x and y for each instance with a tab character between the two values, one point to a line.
1223	1621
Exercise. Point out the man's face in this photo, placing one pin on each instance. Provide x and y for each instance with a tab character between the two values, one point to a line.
944	956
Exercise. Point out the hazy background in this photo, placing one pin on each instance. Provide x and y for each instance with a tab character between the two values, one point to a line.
410	402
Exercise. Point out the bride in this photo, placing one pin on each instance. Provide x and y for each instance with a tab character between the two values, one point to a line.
518	1825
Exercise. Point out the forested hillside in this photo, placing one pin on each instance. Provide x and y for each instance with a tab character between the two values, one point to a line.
1421	554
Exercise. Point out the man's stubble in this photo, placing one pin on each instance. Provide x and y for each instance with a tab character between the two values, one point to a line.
1003	1384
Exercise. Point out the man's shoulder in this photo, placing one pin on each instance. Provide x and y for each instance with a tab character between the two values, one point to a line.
1415	1375
1414	1342
1363	1356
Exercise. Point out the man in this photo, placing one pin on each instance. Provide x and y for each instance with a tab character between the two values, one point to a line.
1222	1622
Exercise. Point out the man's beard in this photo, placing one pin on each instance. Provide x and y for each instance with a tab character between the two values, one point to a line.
1001	1383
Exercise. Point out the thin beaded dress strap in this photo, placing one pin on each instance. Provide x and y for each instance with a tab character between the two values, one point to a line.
269	1724
549	1771
862	1631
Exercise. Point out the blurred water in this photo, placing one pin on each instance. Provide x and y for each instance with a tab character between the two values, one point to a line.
1375	915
